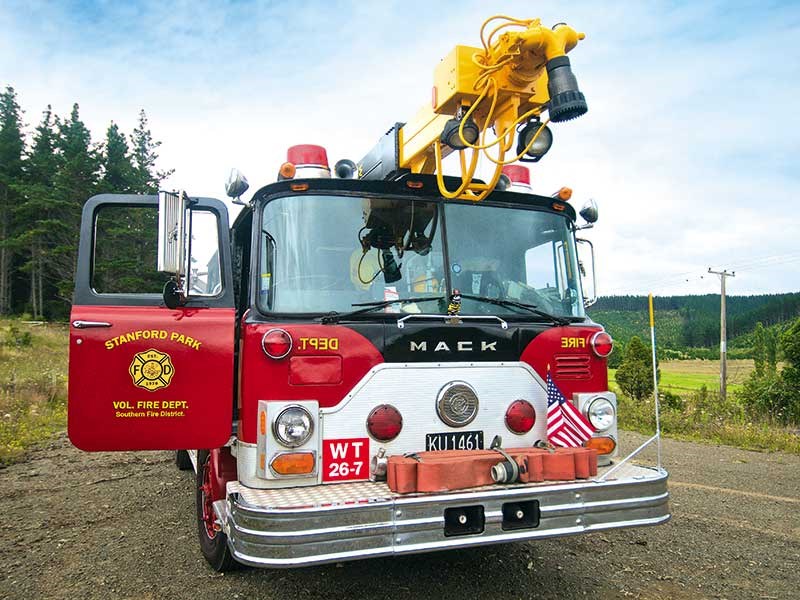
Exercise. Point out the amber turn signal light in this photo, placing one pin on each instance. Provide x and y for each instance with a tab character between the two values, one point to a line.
287	171
563	193
293	463
603	445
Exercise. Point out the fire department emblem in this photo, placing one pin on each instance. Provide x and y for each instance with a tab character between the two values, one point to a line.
151	370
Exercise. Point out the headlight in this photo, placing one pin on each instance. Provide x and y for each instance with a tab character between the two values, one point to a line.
601	414
294	426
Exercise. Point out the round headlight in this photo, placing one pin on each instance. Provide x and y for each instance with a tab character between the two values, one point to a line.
294	426
601	414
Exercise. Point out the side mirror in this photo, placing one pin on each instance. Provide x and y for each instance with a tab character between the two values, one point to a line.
589	211
236	184
173	208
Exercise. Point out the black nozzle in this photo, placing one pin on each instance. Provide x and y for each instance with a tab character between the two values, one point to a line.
566	100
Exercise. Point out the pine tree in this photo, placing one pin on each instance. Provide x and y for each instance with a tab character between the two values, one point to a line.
12	145
38	210
148	178
120	176
74	183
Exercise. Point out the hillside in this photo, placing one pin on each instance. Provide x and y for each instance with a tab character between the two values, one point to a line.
684	322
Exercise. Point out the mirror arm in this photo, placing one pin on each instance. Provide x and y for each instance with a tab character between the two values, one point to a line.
587	302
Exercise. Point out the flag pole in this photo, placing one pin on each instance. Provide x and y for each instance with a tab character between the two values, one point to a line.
655	379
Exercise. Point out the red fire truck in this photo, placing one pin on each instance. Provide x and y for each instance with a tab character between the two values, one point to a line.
366	361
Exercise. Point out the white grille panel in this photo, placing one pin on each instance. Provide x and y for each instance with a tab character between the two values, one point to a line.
413	389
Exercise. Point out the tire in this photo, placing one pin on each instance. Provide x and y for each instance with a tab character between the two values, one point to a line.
213	544
182	460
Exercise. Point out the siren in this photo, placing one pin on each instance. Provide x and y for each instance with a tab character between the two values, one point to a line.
305	161
519	178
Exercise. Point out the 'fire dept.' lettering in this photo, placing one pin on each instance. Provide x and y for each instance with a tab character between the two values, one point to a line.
152	334
149	409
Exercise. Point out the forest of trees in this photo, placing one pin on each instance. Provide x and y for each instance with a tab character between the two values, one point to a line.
45	178
693	321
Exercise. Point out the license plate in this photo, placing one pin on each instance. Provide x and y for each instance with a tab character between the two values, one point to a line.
450	440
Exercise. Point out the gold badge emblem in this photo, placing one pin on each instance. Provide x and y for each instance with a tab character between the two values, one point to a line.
151	370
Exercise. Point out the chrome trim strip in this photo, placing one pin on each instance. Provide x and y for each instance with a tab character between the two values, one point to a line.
450	319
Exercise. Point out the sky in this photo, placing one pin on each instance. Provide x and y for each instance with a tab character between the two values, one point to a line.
690	146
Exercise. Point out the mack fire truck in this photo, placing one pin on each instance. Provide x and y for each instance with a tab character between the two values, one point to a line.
366	363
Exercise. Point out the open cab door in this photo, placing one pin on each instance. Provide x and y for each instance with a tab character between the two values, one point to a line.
152	325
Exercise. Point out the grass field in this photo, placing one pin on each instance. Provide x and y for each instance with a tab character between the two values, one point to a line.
690	375
33	385
695	410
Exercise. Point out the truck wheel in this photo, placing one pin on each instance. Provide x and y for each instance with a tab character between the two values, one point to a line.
213	543
182	460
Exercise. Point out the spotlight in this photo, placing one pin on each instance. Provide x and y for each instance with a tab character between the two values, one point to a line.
451	137
540	146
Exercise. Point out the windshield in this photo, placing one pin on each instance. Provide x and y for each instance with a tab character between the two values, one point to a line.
322	254
326	253
515	254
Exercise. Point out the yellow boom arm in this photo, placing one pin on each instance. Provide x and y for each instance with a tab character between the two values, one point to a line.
520	71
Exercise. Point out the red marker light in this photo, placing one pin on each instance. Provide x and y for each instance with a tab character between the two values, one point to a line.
602	344
520	416
384	423
276	343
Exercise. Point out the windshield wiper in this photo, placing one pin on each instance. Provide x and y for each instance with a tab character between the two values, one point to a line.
334	317
529	307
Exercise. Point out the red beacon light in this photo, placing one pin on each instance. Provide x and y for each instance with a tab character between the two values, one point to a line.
309	161
519	178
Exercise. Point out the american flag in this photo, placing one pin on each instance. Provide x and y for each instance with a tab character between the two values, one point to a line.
566	426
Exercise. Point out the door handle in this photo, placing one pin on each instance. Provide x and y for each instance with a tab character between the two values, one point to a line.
89	324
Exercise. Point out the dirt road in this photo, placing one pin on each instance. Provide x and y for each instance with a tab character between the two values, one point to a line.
121	526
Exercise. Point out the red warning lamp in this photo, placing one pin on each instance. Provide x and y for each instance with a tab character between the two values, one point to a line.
307	155
519	178
518	174
276	343
384	423
602	344
520	417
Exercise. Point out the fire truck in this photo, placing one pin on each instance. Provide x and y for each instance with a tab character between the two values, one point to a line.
368	360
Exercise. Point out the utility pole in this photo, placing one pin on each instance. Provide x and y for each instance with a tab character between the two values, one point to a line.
723	341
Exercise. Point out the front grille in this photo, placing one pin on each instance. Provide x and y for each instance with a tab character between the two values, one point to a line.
573	366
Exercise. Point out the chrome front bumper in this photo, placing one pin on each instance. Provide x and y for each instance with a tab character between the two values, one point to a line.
322	524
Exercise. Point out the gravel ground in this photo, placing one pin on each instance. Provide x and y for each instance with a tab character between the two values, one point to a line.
121	525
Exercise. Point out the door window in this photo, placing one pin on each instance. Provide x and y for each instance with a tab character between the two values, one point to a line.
126	242
125	252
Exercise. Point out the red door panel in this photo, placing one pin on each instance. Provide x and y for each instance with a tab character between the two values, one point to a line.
155	379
